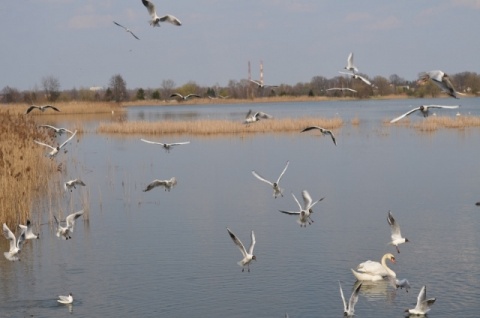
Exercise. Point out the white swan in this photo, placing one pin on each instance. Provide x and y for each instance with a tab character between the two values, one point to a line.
423	304
126	29
349	308
323	131
29	235
155	21
396	236
275	185
41	108
67	230
305	211
424	109
256	116
247	255
65	299
15	243
55	150
167	184
375	271
166	146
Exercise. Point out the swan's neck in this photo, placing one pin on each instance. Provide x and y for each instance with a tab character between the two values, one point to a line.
389	271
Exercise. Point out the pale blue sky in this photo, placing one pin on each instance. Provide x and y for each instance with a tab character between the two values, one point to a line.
76	41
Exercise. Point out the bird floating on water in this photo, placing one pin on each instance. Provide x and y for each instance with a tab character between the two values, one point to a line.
65	231
441	79
275	185
305	211
65	299
15	243
323	131
167	184
166	146
397	237
349	308
29	235
423	304
71	184
127	29
256	116
375	271
55	150
424	109
155	19
41	108
247	255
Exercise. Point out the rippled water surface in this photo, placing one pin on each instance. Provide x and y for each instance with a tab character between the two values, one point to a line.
168	254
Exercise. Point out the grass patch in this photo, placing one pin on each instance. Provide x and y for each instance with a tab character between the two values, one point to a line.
65	108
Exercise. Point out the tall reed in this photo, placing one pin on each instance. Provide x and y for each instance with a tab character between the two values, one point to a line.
66	108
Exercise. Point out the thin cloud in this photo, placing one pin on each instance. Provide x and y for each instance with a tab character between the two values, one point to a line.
474	4
388	23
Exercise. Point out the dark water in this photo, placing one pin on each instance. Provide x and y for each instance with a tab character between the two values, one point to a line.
168	254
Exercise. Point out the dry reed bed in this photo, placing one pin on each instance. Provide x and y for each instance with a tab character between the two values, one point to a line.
24	169
434	123
216	127
66	108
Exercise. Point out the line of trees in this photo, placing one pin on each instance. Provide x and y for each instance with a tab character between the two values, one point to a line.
466	82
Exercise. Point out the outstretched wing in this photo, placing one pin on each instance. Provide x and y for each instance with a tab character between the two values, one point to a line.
68	140
32	107
442	106
394	227
259	177
171	19
52	107
180	143
150	8
152	142
354	298
345	309
404	115
263	115
71	219
364	80
155	183
290	212
238	242
41	143
176	95
283	172
252	244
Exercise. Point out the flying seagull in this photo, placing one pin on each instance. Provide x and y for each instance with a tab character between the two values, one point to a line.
305	211
424	109
186	97
15	243
341	89
58	131
323	131
41	108
275	185
55	150
29	235
167	184
71	184
349	308
261	85
357	77
396	233
167	147
127	29
247	255
65	299
68	229
256	116
423	304
350	66
155	21
441	79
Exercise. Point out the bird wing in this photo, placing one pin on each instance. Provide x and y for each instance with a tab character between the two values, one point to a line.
120	25
180	143
256	82
170	18
152	142
79	182
21	240
364	80
172	181
154	183
136	37
150	8
238	242
394	227
313	204
311	128
263	115
283	172
345	309
52	107
349	89
442	106
290	212
176	94
68	140
404	115
422	296
354	298
252	244
9	236
249	114
436	75
41	143
307	199
48	126
351	74
72	217
29	109
192	95
259	177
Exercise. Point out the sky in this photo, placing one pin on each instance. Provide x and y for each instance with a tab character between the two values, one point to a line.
76	41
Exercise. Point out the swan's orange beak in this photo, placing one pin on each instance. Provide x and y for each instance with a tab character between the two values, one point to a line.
392	259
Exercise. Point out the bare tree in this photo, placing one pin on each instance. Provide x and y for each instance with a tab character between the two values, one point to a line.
51	87
118	88
167	88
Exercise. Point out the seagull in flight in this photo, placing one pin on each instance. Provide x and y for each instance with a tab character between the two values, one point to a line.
155	21
323	131
441	79
41	108
247	255
71	184
255	116
29	235
357	77
350	66
424	109
423	304
396	233
186	97
275	185
65	299
127	29
261	85
349	308
305	211
341	89
67	230
167	147
15	243
55	150
167	184
58	131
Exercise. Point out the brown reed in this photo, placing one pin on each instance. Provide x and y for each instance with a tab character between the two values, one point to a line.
217	127
24	168
434	123
66	108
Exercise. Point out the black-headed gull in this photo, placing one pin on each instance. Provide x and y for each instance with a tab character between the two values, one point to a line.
252	116
357	77
261	85
55	150
349	308
68	229
167	184
341	89
275	185
400	283
423	304
166	146
350	66
58	131
126	29
155	19
247	255
65	299
323	131
305	211
15	243
29	235
424	109
41	108
71	184
375	271
396	233
186	97
441	79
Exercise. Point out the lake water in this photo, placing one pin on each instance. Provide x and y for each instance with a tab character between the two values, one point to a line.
168	254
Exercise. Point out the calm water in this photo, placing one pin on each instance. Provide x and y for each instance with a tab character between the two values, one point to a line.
168	254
